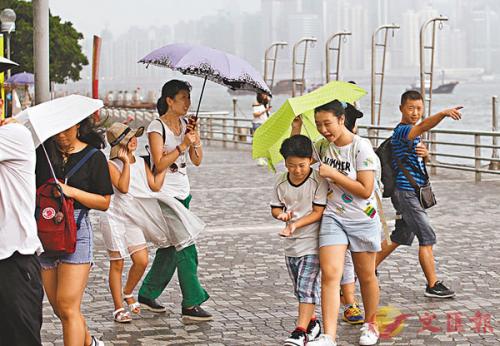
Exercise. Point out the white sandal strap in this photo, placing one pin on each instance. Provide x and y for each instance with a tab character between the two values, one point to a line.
117	312
134	306
128	296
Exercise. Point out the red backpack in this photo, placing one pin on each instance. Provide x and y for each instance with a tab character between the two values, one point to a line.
55	219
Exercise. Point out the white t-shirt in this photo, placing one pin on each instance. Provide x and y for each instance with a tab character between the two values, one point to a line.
341	203
300	199
263	117
18	230
176	182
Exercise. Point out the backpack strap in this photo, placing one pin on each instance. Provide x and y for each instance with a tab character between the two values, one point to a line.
79	164
163	133
81	215
147	157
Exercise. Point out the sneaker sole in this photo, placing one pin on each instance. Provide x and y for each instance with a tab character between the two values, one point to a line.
431	295
352	322
194	319
147	307
292	344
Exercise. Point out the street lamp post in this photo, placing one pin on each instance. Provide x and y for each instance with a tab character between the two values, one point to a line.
301	81
8	19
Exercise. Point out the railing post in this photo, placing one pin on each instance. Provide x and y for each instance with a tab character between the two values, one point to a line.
202	129
235	106
477	154
224	132
210	134
494	165
371	134
433	148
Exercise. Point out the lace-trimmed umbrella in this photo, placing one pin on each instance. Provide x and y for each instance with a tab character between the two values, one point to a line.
23	78
208	63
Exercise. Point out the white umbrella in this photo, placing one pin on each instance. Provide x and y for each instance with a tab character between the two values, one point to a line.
49	118
6	64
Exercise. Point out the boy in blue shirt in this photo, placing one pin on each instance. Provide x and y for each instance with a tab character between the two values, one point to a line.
414	219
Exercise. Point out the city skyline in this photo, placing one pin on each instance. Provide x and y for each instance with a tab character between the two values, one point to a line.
466	45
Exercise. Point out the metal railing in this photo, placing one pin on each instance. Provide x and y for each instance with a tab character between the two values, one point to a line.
457	149
139	116
225	129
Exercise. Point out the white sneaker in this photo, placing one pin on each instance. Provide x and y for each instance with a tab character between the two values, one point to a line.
369	334
313	330
323	340
297	338
96	342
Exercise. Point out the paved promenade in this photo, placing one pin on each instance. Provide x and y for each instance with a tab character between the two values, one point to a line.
243	269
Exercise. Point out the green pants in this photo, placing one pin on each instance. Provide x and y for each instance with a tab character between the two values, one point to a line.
163	268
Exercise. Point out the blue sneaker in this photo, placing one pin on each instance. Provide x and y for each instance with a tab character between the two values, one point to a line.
353	314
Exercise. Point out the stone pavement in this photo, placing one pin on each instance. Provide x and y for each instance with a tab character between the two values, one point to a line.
242	267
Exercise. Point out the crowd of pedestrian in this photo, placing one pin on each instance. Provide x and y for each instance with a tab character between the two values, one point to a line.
328	198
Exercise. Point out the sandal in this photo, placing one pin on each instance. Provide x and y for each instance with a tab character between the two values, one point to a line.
121	316
135	307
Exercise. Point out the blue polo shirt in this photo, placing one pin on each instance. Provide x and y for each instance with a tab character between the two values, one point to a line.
404	149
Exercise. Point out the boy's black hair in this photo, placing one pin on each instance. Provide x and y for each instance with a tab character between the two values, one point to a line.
170	89
410	95
334	107
298	145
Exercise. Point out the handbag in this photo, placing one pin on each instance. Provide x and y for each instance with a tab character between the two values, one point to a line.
426	196
424	192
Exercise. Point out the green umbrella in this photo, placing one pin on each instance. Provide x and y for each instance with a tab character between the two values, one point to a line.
268	137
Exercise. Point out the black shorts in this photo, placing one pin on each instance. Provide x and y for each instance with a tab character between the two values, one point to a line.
21	295
414	220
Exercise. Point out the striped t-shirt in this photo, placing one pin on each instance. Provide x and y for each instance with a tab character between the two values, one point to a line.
404	150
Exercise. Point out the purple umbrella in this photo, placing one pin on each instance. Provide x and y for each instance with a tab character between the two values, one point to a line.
23	78
208	63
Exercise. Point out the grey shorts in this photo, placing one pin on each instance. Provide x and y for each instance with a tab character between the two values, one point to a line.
84	246
348	276
414	220
304	272
360	236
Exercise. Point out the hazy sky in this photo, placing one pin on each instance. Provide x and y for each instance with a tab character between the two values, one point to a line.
92	16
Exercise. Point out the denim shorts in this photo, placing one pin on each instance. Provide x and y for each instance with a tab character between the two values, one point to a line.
304	272
360	236
414	220
84	246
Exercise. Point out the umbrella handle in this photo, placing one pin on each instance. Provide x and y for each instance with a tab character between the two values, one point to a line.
199	101
201	96
309	135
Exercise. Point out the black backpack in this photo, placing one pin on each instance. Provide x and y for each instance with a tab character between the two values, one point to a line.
384	152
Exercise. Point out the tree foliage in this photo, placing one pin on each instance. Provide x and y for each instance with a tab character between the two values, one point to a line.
66	56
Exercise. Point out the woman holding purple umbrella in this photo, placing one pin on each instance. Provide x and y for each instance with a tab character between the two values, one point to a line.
172	139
